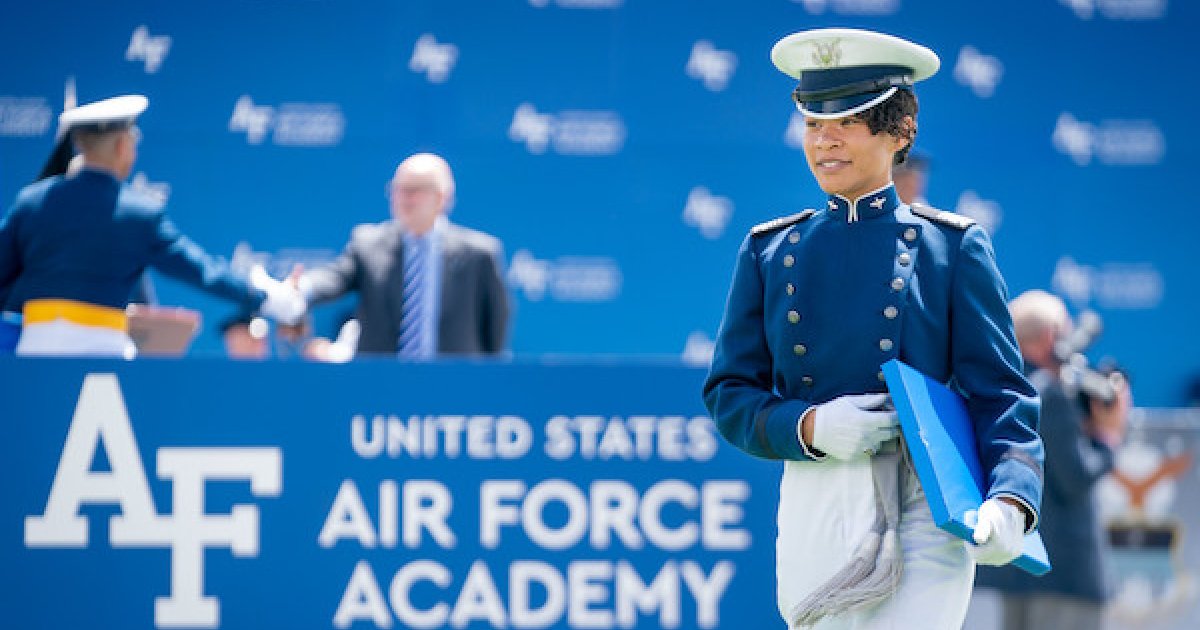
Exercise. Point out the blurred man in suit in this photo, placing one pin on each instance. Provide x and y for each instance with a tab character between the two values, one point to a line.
1079	452
427	287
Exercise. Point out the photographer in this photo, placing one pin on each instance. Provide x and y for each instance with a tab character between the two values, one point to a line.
1084	416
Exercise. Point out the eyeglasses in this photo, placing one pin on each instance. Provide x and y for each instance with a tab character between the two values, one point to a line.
391	188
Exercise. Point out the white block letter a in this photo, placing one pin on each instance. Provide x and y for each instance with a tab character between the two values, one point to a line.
100	416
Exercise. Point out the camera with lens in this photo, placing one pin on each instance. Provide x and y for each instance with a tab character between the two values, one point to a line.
1093	384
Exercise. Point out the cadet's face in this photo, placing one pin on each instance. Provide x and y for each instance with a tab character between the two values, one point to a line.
127	151
846	158
416	200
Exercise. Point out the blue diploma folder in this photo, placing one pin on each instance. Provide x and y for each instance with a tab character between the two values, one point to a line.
941	440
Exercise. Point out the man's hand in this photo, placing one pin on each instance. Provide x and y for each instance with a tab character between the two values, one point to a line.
1107	421
849	426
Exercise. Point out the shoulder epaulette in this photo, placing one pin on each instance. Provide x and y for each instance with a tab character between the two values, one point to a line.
781	222
956	221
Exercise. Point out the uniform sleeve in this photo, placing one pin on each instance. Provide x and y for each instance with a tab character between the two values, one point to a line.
739	392
495	302
333	280
10	257
181	258
1077	461
987	365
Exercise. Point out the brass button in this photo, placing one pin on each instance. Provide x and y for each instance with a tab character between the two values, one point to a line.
891	312
807	380
800	349
794	238
789	260
794	317
897	284
910	234
791	288
904	258
885	344
881	377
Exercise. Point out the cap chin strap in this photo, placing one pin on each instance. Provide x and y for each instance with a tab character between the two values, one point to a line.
849	112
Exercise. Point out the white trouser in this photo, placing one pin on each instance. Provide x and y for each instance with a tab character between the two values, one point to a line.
825	509
65	339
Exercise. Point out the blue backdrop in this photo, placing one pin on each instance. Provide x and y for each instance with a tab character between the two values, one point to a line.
621	149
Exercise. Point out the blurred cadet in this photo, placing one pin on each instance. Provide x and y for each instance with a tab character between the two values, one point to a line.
63	159
1079	452
911	178
819	301
245	335
73	246
426	287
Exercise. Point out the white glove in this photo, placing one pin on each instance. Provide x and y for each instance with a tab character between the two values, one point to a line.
284	302
851	425
999	532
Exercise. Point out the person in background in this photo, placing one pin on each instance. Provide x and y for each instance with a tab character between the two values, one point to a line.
426	287
341	348
911	178
819	301
245	336
73	246
1080	441
1191	394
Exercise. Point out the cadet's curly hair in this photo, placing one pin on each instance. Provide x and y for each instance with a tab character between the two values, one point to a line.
888	117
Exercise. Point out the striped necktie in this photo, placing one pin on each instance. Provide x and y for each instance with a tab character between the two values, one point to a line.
412	343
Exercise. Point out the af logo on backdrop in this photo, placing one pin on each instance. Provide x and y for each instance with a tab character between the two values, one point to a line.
101	421
433	59
150	49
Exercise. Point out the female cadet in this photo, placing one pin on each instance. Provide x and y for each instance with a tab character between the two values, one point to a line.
819	301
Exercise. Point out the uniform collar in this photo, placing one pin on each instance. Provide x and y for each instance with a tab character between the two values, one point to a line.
877	203
95	172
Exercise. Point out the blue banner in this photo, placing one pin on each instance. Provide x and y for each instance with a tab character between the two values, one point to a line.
374	495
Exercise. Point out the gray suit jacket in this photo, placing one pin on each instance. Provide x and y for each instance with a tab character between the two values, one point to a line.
474	303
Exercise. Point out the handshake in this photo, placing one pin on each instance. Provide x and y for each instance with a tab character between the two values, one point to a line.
285	302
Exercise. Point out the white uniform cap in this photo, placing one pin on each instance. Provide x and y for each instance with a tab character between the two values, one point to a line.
843	71
109	114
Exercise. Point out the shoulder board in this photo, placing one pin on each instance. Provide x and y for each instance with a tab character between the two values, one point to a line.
141	200
781	222
951	219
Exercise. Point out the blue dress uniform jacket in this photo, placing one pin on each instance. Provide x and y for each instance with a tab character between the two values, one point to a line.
89	237
818	303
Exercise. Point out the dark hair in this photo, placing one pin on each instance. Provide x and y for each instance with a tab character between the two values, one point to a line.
888	117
